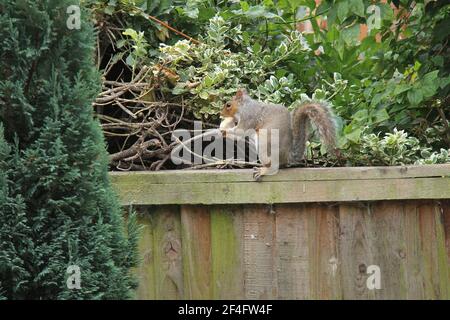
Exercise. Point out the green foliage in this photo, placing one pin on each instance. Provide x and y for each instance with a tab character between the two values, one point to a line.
395	148
57	207
138	46
15	234
209	73
397	76
400	81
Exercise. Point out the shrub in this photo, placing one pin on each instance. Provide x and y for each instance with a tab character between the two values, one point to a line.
57	205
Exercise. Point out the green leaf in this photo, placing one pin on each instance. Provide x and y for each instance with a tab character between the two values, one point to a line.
331	16
178	90
381	115
281	72
203	95
130	60
357	7
191	12
386	12
429	90
121	43
319	94
431	76
444	82
342	10
377	99
256	12
109	10
415	96
163	7
401	88
430	84
360	115
130	32
354	136
256	48
244	5
351	35
208	81
205	14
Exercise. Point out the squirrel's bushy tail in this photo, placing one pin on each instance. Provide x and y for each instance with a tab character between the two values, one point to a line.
320	114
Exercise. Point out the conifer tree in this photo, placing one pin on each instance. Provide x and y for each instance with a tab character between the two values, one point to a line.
57	208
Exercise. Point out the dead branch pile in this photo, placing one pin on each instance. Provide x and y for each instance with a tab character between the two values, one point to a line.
138	127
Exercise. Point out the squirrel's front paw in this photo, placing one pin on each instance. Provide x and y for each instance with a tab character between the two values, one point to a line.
223	132
257	173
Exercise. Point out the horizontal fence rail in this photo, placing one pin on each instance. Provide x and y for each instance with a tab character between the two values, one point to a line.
301	234
288	186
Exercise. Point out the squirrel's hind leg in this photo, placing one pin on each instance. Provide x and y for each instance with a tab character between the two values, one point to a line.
272	153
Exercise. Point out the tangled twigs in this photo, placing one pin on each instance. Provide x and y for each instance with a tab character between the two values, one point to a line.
137	126
211	162
137	149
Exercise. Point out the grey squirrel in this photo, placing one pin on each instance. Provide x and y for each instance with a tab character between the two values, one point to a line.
292	126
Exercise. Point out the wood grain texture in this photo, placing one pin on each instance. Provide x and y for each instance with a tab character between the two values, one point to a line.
444	269
145	270
434	270
290	174
356	250
260	279
147	193
295	251
324	257
387	220
445	207
227	234
168	252
196	248
292	260
413	259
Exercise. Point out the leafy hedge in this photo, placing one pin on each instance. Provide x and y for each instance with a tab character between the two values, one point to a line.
395	78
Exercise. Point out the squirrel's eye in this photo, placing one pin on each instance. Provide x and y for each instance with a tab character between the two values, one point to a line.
228	105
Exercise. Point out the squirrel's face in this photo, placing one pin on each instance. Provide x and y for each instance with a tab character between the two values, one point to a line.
232	107
229	109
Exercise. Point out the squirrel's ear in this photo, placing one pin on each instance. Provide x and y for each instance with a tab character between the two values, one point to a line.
240	93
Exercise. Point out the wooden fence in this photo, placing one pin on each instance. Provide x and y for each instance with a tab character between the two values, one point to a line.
301	234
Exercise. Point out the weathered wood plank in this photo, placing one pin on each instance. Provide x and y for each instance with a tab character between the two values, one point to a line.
413	260
388	251
227	234
196	246
433	259
259	253
428	250
356	250
324	257
445	207
292	251
427	266
145	271
290	174
168	253
282	192
444	267
298	251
